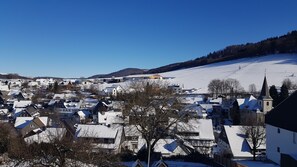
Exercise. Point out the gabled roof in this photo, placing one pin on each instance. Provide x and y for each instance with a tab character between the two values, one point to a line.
137	163
110	117
250	103
32	110
47	136
202	126
284	115
22	122
22	104
161	163
97	131
131	130
264	91
236	138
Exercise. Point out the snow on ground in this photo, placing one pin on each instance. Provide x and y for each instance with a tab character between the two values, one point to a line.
247	71
171	164
257	164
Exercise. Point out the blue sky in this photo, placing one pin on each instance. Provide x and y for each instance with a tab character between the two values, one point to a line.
80	38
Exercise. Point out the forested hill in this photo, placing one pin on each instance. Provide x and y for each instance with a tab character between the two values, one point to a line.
12	76
124	72
283	44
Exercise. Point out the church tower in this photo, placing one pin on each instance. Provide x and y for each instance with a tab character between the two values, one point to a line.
264	100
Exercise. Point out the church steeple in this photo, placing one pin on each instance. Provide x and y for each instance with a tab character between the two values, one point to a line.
264	91
265	100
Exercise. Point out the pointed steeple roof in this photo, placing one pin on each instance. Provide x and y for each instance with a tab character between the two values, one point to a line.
264	91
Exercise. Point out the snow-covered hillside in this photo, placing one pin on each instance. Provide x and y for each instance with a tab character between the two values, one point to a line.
247	71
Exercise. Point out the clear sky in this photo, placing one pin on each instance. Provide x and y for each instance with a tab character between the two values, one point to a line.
75	38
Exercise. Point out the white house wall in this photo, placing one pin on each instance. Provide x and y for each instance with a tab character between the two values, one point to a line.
283	140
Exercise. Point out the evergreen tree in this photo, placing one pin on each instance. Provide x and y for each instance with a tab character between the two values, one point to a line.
56	87
274	95
284	93
235	113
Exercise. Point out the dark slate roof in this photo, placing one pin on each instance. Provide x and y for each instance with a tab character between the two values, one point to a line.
1	100
284	115
32	110
264	91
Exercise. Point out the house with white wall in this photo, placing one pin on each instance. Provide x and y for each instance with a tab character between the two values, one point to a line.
234	141
103	138
113	90
198	133
281	132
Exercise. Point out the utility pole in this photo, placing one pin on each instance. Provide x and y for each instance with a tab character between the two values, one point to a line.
149	155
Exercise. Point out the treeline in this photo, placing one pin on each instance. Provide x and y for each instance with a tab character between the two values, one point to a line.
283	44
283	93
12	76
229	87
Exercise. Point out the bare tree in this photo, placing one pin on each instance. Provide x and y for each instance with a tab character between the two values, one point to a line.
252	88
214	87
255	132
234	87
153	108
229	86
288	83
58	152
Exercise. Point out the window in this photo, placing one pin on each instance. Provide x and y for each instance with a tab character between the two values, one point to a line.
278	149
294	137
278	130
267	103
134	146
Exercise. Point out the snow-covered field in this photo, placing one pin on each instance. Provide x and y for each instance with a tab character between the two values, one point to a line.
247	71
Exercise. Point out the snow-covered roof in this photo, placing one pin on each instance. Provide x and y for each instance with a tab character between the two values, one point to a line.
167	147
21	104
96	131
47	136
202	126
73	105
250	103
110	117
101	131
22	122
216	101
18	111
238	145
3	111
83	113
131	130
4	88
190	99
13	92
207	107
64	96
